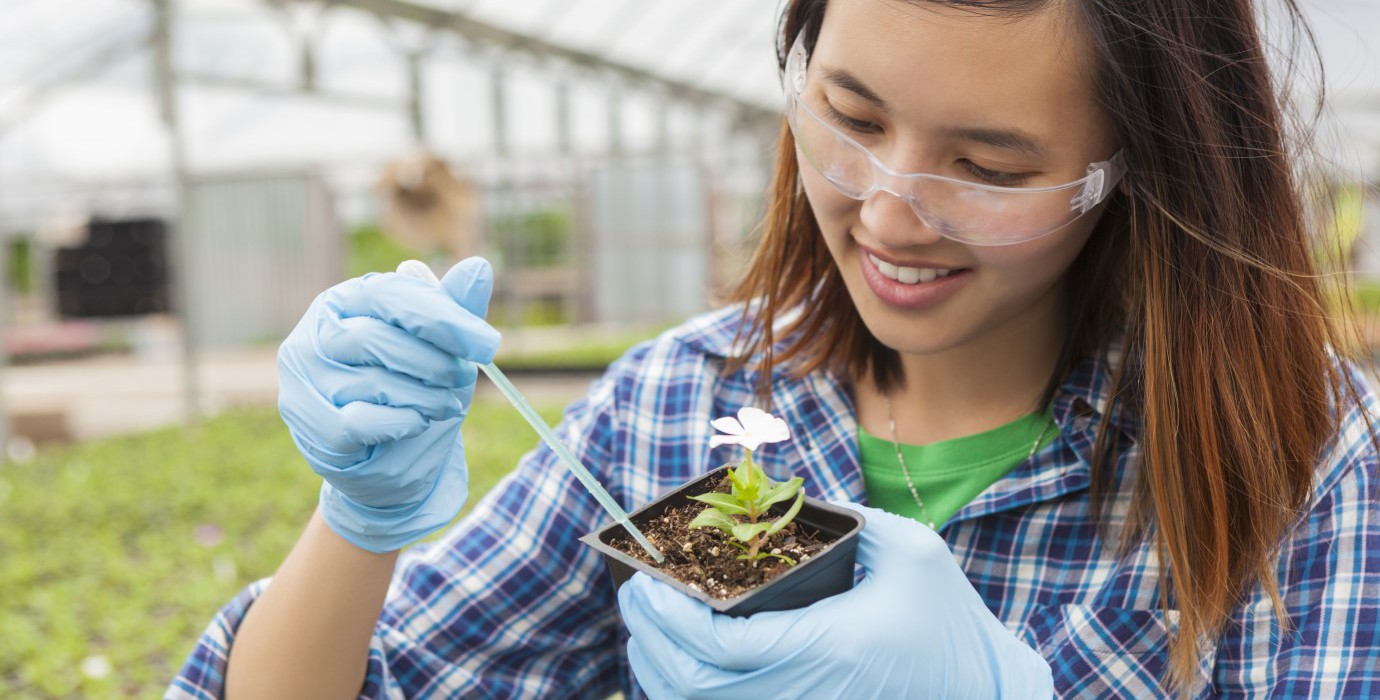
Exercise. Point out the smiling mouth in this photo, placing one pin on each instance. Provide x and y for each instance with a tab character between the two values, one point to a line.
910	275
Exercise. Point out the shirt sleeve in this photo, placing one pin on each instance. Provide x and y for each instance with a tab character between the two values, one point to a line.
1329	579
508	603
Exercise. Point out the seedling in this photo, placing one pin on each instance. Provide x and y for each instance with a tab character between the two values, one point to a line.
816	542
740	512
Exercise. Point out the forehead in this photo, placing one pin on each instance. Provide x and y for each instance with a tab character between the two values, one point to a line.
944	66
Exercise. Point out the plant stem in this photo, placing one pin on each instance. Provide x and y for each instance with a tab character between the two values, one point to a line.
751	507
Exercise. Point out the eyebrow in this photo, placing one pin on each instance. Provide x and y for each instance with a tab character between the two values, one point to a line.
1010	140
1007	139
850	82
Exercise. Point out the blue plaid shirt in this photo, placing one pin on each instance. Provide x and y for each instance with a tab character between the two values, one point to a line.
510	604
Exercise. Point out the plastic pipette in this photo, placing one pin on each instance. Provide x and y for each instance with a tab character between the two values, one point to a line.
568	458
418	269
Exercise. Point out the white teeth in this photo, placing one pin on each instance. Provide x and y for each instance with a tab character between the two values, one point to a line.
908	275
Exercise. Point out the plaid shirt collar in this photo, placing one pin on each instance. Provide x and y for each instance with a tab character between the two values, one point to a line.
825	429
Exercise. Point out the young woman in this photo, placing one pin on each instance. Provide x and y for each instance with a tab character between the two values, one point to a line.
1035	279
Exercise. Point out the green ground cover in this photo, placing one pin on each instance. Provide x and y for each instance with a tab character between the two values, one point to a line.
114	554
591	353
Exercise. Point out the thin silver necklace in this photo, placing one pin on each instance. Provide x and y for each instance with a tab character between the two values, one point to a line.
896	443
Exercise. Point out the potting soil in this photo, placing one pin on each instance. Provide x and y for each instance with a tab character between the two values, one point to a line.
704	559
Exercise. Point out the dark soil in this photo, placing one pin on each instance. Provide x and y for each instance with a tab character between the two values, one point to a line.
705	560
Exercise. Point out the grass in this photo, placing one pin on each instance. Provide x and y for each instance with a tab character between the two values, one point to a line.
1366	296
369	249
117	552
589	354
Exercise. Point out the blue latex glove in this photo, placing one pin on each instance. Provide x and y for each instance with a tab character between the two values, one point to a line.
913	628
373	384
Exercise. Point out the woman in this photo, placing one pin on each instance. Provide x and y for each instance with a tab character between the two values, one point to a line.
1035	274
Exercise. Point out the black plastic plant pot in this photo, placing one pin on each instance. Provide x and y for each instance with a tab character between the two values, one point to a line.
827	572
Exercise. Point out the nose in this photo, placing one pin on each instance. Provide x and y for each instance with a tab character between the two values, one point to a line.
893	223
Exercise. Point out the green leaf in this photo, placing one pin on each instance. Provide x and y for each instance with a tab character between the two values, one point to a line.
745	486
710	517
723	502
736	484
782	557
785	520
760	477
746	531
779	493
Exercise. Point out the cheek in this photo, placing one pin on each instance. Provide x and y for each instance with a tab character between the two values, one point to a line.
1040	262
834	212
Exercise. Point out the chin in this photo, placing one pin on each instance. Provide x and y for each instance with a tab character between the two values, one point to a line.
907	334
910	344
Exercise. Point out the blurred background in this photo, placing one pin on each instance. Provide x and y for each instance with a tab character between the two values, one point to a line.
179	178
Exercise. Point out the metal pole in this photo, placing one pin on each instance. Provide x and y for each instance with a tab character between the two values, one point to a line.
615	117
4	356
181	235
416	106
500	197
564	139
498	102
663	127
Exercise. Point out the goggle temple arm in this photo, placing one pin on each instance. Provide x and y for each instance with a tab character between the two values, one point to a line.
1102	177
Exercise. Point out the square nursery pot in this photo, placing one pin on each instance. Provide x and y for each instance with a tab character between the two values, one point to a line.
827	572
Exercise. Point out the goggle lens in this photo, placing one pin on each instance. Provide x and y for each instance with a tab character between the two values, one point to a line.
970	212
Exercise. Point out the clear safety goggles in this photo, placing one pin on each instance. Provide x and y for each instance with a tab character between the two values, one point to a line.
969	212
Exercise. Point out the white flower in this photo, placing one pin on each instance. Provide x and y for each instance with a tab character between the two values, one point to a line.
752	427
97	666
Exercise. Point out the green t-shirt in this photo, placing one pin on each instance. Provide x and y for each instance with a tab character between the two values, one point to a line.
950	473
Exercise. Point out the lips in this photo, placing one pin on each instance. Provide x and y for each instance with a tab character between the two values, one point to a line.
913	284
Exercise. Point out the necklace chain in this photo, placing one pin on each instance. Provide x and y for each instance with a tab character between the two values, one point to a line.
905	469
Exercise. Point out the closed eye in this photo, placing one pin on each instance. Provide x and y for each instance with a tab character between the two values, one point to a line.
994	177
861	126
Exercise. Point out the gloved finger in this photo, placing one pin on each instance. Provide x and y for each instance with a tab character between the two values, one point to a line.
398	473
367	341
425	493
888	540
380	386
470	283
654	611
368	424
319	423
336	434
653	683
418	269
421	308
667	671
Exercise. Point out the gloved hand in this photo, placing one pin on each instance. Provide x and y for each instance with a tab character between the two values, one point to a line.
373	384
913	628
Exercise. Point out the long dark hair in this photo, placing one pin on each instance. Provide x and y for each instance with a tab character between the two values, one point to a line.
1201	261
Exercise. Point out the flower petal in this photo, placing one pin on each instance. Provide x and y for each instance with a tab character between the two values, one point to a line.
763	426
717	440
729	425
754	419
778	431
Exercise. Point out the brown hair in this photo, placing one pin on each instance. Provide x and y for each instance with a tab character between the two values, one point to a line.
1217	296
